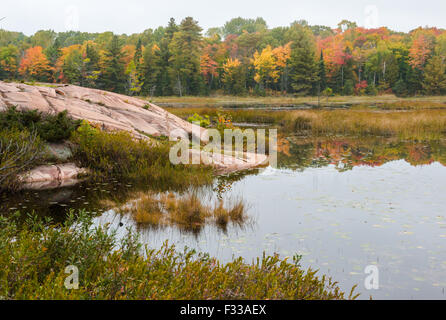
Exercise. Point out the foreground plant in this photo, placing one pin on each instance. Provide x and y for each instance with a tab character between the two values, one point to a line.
34	257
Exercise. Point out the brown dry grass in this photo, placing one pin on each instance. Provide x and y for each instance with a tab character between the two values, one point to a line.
187	211
411	125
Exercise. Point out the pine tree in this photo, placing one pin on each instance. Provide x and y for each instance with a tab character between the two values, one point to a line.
151	69
303	66
185	48
322	73
92	69
113	77
138	54
164	82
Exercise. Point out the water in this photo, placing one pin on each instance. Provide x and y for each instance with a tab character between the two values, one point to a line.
342	204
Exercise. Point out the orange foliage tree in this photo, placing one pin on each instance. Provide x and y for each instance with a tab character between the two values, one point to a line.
35	65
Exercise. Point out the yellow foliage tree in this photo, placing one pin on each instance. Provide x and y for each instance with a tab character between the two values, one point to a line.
265	66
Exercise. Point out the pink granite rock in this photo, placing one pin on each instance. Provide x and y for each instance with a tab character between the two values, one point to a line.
111	111
59	172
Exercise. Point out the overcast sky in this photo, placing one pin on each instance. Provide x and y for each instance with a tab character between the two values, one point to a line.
131	16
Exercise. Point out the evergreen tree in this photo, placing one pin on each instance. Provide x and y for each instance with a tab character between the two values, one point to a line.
164	82
185	48
322	73
138	53
303	66
92	69
113	77
151	71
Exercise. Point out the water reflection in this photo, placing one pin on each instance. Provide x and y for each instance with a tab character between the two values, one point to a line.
347	153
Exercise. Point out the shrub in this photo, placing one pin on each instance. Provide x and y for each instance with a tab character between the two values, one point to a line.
19	151
119	155
51	128
34	258
204	121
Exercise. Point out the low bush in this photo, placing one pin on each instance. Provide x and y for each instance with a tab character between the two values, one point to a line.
119	155
50	127
35	255
19	151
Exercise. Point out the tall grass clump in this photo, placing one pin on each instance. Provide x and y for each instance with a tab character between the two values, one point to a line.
187	212
119	155
34	257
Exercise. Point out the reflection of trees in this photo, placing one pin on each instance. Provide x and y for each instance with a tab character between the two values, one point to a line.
347	153
224	183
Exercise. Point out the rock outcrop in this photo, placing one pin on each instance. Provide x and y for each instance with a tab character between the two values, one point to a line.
52	176
113	111
110	110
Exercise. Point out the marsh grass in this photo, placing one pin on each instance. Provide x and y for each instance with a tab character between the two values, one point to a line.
187	211
422	118
283	100
411	125
418	123
34	256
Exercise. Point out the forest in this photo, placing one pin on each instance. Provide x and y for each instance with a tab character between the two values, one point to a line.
244	57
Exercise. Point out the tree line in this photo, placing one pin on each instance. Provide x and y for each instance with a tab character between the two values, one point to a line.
242	57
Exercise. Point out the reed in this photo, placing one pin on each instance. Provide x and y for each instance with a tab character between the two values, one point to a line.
188	211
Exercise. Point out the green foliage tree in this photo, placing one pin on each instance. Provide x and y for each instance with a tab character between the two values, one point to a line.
434	81
240	25
8	61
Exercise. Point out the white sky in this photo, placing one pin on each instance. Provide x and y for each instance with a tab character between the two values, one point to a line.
131	16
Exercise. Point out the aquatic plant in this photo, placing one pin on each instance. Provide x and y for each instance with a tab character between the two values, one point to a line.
188	211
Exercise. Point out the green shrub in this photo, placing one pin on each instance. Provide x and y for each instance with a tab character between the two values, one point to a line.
51	128
204	121
19	151
35	255
119	155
